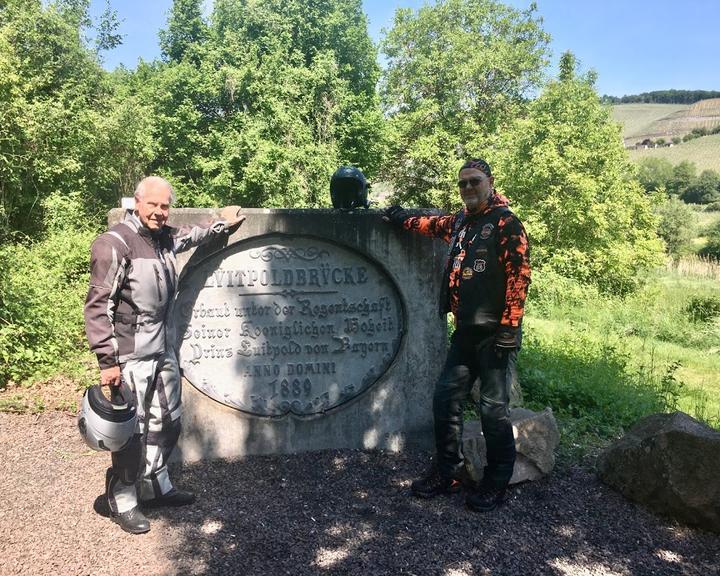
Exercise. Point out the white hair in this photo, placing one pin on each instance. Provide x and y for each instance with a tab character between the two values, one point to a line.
153	180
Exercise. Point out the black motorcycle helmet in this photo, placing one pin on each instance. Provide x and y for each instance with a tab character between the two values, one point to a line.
348	188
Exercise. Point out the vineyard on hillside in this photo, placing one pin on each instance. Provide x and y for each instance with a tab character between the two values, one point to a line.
703	152
652	121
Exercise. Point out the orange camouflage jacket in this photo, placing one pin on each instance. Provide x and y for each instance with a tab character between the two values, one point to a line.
509	244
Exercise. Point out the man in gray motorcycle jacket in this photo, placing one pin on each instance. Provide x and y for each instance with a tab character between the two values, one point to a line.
129	327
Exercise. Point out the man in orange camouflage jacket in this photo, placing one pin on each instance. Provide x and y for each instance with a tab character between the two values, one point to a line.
485	284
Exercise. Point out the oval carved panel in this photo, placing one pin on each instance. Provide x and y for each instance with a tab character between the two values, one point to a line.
287	324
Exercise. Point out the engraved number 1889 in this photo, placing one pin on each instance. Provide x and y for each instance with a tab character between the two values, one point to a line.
294	388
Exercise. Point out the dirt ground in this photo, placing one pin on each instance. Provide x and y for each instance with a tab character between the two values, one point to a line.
333	512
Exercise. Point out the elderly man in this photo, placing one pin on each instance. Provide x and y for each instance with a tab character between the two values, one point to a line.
127	321
485	284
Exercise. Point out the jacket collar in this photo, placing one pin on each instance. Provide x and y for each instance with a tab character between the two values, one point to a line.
136	224
496	200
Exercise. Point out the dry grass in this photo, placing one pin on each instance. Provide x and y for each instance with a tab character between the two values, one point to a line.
695	267
635	118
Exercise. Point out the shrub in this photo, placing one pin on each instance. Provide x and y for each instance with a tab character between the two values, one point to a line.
654	173
42	288
712	248
703	308
705	190
676	226
581	376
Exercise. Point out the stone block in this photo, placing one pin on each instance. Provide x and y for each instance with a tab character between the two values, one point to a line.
671	464
536	438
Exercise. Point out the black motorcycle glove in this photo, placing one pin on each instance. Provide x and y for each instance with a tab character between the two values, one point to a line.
395	215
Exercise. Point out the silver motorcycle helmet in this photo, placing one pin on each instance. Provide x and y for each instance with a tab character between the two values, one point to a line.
107	424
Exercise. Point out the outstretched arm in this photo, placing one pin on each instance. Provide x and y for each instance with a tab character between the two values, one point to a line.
433	226
187	237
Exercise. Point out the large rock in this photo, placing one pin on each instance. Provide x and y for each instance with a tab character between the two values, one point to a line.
536	437
670	463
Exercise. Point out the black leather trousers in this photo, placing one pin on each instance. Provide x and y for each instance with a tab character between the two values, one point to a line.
473	357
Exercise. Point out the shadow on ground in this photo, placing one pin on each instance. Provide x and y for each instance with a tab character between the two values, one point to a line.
350	513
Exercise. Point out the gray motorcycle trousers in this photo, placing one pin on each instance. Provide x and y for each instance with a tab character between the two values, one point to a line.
140	470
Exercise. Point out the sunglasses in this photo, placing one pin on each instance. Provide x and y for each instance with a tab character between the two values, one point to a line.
469	182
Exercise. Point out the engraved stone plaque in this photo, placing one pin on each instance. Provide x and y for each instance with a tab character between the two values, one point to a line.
282	324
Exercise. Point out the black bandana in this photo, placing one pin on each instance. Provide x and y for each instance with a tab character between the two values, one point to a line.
478	164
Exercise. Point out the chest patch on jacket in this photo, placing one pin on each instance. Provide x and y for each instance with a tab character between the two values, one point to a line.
467	273
486	231
479	265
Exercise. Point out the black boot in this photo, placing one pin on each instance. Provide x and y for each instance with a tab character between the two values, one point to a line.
132	521
173	498
485	499
433	484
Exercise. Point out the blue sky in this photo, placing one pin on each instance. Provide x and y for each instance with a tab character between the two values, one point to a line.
634	45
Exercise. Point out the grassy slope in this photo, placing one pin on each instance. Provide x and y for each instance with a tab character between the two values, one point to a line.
635	118
704	152
654	121
651	329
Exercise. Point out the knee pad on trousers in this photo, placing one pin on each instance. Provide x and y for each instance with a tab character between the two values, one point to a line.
167	437
126	463
495	414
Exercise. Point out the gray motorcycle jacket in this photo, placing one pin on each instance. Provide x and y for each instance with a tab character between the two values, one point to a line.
132	285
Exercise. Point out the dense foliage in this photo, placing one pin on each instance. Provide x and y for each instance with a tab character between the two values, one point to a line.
457	71
565	167
712	248
676	225
43	283
681	180
259	105
64	128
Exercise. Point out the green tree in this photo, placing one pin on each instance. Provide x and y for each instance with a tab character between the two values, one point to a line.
684	175
704	190
275	96
654	173
48	80
569	177
676	226
712	248
186	29
456	71
57	106
107	30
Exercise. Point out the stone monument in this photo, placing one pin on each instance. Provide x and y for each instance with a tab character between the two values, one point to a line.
307	330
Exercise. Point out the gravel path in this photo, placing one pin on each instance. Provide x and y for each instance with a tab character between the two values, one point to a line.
334	512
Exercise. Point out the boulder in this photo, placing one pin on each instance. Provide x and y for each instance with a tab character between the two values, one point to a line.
536	437
671	464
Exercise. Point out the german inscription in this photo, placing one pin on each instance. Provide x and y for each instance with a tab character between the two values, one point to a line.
282	324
